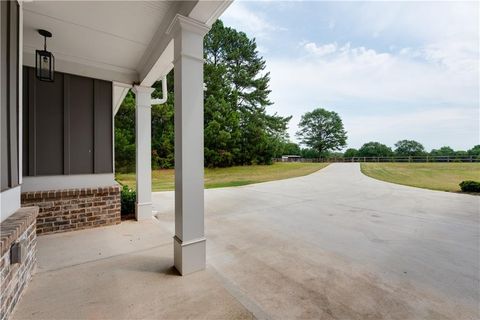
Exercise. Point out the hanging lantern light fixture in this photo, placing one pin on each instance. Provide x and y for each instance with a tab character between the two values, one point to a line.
45	61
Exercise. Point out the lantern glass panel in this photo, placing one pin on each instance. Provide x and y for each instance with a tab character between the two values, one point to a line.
45	65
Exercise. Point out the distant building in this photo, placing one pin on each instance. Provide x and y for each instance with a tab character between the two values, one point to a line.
290	158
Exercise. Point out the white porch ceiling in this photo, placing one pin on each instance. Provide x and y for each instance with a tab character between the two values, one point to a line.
112	40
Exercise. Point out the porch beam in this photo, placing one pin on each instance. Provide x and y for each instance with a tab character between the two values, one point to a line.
143	115
189	240
157	59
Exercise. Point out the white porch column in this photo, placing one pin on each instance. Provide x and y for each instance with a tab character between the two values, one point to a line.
143	115
189	240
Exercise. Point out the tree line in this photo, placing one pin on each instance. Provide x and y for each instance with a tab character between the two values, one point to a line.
237	128
323	133
403	148
408	148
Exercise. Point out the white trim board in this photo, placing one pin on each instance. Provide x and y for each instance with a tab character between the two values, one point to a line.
43	183
20	91
9	202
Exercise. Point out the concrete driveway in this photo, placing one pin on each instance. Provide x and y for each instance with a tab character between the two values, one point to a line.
332	245
339	245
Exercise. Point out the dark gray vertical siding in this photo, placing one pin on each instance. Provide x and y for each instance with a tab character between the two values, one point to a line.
81	125
29	140
9	91
103	127
49	126
77	138
66	124
25	125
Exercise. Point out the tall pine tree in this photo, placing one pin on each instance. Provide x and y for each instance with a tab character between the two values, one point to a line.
237	130
236	79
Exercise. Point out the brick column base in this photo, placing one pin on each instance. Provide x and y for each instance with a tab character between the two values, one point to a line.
18	229
74	209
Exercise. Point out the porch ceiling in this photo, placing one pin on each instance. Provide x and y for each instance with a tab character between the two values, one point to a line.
121	41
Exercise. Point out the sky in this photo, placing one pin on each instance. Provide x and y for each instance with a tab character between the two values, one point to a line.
391	70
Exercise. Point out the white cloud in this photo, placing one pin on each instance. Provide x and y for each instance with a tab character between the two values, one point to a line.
425	86
426	21
242	18
356	78
321	50
455	54
339	72
447	125
343	53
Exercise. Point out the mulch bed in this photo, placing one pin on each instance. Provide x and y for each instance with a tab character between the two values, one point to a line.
128	216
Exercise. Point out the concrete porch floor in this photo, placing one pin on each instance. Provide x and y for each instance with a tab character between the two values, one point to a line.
332	245
120	272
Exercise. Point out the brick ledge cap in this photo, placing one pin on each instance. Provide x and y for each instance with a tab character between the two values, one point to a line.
69	192
15	225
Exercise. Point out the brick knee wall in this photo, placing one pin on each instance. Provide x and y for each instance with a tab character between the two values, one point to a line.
15	277
74	209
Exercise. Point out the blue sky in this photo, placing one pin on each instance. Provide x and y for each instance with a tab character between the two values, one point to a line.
392	70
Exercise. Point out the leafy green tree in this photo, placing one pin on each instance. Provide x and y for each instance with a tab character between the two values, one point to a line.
475	151
461	153
163	127
350	153
443	151
409	148
220	138
125	135
290	148
322	130
162	132
237	126
374	149
309	153
336	154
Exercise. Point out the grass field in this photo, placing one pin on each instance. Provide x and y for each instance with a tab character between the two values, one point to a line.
435	176
163	180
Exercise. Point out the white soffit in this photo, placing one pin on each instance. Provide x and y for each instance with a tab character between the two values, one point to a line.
121	41
208	11
109	35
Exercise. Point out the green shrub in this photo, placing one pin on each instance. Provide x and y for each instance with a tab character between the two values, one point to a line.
470	186
128	197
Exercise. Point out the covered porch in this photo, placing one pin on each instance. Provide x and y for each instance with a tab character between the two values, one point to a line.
130	45
58	135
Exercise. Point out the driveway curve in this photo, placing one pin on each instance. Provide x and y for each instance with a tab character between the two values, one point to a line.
337	244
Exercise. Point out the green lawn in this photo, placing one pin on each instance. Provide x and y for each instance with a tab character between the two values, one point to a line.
435	176
229	177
